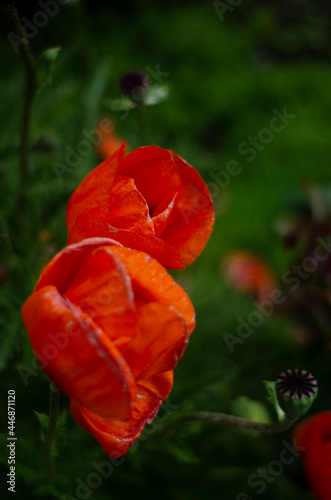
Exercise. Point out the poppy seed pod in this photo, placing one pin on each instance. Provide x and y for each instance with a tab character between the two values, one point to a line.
296	391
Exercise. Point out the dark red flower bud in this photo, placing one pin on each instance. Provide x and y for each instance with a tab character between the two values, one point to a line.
134	83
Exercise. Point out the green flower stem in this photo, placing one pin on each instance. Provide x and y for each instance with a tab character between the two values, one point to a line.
53	416
142	123
31	87
224	419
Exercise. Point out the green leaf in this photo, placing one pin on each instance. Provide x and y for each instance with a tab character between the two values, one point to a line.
95	92
155	94
182	452
61	421
121	104
43	419
46	63
151	96
271	388
250	409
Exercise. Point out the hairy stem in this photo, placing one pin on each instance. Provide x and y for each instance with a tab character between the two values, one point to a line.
142	123
53	416
222	418
31	87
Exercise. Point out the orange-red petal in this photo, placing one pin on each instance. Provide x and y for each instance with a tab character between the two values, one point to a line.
64	266
162	214
155	247
77	355
93	191
160	174
152	200
116	437
160	340
193	216
127	207
151	282
108	139
102	288
153	172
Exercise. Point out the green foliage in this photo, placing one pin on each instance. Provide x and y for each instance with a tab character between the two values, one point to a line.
46	64
295	408
272	391
250	409
43	420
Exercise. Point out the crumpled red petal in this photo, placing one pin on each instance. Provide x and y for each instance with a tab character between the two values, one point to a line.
127	207
77	355
162	214
108	325
313	434
192	216
152	201
93	191
160	340
64	266
102	288
116	437
155	247
151	282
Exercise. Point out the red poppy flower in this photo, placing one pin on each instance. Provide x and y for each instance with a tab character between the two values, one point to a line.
247	273
314	435
150	200
109	324
109	140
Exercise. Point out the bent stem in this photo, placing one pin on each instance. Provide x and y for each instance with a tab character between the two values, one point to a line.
223	418
53	416
15	25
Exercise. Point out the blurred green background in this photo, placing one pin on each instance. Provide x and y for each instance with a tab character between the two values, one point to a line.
225	78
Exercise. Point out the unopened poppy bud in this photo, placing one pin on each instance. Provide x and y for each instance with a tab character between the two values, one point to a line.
296	391
133	84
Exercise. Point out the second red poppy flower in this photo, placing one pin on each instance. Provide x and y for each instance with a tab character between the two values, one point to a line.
149	200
